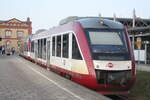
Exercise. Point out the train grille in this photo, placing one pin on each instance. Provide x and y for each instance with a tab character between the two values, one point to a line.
113	77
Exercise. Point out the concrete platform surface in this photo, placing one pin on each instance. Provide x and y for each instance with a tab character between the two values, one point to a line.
143	67
24	80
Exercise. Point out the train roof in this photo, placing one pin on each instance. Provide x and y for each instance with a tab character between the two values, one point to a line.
93	22
100	23
85	23
40	34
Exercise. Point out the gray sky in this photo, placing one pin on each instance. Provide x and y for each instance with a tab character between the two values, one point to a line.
48	13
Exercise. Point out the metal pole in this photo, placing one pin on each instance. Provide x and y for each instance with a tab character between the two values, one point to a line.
114	17
138	56
145	53
133	41
134	16
133	25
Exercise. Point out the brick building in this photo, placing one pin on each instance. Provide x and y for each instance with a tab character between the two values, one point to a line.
13	31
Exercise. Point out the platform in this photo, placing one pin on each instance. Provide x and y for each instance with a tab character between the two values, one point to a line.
24	80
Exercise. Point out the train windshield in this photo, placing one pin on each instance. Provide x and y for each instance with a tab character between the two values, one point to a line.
105	38
107	44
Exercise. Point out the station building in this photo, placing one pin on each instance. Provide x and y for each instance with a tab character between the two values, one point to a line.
139	32
12	33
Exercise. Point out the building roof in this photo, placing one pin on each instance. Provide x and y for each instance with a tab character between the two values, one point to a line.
14	20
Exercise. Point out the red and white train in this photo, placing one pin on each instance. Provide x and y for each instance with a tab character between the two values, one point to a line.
93	52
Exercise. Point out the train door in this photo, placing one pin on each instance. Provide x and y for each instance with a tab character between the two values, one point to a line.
48	52
65	61
66	50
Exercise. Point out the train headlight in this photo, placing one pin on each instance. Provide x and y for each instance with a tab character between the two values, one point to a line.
101	22
97	66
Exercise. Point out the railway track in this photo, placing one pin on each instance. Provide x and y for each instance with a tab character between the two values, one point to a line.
119	97
123	97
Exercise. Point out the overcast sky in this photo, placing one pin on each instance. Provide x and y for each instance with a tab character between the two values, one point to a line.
48	13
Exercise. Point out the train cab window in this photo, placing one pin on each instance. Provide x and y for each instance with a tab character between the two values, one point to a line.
75	49
53	46
58	50
65	50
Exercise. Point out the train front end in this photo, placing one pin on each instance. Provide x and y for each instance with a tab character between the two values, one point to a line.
112	56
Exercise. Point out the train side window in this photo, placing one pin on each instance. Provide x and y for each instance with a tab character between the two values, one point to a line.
65	50
32	46
26	47
75	49
44	49
40	48
58	50
53	46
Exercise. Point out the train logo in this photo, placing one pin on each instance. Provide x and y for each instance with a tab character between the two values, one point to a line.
110	65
